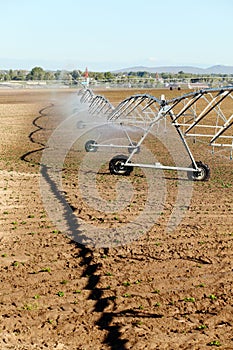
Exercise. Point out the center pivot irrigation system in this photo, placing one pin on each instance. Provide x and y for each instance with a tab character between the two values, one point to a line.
205	114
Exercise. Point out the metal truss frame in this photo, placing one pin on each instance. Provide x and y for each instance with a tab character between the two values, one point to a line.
201	114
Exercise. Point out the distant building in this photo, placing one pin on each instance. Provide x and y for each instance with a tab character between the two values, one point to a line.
86	76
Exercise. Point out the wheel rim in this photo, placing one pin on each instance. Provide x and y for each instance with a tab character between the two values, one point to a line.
201	174
119	167
90	146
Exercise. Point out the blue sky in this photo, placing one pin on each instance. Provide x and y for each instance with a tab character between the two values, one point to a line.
111	34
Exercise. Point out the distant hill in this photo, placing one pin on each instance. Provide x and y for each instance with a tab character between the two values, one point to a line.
218	69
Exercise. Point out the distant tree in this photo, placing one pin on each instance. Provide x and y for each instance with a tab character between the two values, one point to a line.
57	75
75	74
168	75
37	73
98	76
11	74
133	74
108	76
62	75
143	74
49	76
18	75
65	75
7	77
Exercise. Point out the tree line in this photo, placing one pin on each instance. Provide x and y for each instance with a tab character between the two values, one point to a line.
38	73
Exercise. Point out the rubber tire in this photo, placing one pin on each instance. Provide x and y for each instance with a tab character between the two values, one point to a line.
130	150
202	175
90	146
116	167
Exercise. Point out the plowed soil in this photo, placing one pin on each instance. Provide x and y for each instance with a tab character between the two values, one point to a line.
165	290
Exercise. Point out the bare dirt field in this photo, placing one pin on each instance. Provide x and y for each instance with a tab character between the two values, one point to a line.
166	290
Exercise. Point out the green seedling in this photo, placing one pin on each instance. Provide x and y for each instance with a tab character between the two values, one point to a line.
157	304
137	323
126	284
191	299
156	291
212	297
45	269
60	294
36	296
226	185
64	282
214	343
126	295
138	281
77	291
108	287
202	326
55	231
31	216
108	274
30	307
201	285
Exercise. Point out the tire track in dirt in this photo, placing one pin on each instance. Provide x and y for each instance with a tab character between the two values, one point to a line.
90	269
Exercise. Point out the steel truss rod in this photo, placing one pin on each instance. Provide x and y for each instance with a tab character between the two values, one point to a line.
122	108
131	104
100	104
203	92
226	126
209	135
189	104
212	104
87	96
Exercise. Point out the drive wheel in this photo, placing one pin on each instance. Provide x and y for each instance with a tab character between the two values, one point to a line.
117	166
90	146
203	173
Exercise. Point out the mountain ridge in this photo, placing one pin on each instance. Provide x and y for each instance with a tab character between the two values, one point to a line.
216	69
